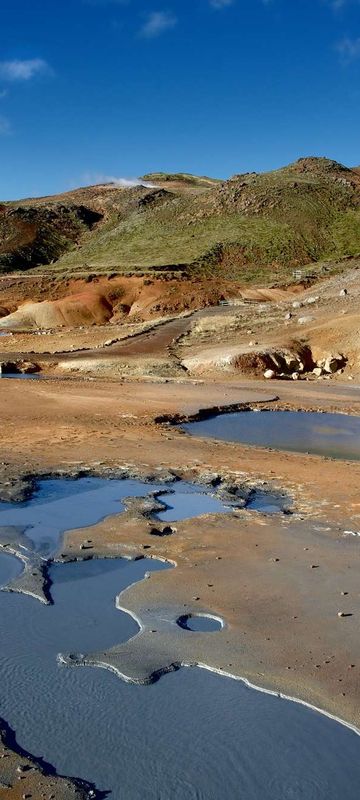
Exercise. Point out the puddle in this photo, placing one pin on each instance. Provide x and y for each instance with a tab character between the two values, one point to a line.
268	503
193	735
20	375
187	501
59	505
200	623
332	435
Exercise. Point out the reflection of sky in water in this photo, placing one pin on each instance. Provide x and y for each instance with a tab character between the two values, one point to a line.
189	502
333	435
193	735
60	505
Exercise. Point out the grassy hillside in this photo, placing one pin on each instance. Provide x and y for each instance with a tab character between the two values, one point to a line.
253	226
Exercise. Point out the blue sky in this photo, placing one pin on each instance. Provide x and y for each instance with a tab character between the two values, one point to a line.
91	89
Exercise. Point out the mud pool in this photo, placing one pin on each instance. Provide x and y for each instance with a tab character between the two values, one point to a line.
60	504
331	435
193	734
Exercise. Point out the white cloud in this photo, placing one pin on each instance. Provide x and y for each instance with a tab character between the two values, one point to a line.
157	22
5	126
18	70
349	49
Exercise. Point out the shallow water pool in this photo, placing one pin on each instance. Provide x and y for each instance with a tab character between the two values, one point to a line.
332	435
61	504
193	735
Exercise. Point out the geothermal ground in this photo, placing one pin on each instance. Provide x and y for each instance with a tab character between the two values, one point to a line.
105	404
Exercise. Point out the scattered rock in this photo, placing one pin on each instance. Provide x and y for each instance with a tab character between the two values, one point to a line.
343	292
295	376
28	368
269	374
297	304
311	300
305	320
318	371
334	363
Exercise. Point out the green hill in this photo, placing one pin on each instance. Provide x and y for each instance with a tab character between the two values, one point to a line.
251	226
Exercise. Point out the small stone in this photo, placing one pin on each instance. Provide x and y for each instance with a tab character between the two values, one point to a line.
269	374
343	293
314	566
297	304
295	376
305	320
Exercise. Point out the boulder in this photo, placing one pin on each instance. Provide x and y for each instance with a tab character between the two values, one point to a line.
27	368
292	362
318	371
269	374
8	368
333	363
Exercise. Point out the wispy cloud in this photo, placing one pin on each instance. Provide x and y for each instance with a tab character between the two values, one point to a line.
157	22
221	3
5	126
95	178
18	70
349	49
